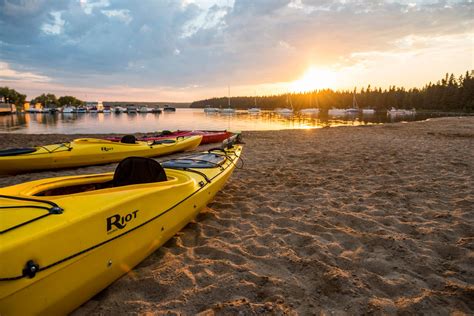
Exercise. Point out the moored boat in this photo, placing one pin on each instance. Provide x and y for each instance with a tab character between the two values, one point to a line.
393	111
310	111
337	112
107	109
47	110
81	109
352	111
75	235
228	111
168	108
368	111
254	110
355	107
89	151
131	109
284	111
144	109
69	109
119	109
209	109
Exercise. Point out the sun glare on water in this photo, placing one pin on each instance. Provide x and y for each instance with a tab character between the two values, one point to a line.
314	78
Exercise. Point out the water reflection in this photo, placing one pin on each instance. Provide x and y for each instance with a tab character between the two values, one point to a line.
183	119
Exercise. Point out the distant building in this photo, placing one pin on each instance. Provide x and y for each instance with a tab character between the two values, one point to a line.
7	108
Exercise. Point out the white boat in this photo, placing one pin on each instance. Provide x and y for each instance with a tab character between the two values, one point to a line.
254	110
81	109
284	111
131	109
144	109
337	112
209	109
310	111
228	110
355	107
107	109
69	109
119	109
368	111
168	108
48	110
352	111
393	111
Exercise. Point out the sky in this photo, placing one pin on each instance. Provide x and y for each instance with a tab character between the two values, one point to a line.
181	51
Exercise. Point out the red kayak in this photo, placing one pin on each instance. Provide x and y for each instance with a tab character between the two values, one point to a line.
207	136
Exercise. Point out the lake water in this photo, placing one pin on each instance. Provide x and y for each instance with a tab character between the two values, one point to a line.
183	119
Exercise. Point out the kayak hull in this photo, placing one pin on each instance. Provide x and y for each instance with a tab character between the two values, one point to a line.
208	137
89	151
77	265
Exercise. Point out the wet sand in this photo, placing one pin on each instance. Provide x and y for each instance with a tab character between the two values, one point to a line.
350	220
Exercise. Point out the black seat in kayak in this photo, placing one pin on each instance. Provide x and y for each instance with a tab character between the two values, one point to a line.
137	170
17	151
128	139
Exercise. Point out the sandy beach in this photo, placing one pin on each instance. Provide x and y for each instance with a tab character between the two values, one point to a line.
347	220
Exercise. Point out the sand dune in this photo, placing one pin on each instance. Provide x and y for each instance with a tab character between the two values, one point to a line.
350	220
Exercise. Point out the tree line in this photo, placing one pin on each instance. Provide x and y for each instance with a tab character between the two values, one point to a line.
447	94
11	96
47	100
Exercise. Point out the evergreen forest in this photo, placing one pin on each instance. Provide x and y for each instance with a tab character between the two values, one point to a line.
449	94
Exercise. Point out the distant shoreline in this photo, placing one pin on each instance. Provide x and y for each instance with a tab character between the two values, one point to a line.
150	104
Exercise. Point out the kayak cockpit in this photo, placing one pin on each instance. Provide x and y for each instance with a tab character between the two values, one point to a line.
17	151
77	188
132	170
196	161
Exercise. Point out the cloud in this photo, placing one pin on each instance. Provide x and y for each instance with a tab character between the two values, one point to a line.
55	27
207	43
8	74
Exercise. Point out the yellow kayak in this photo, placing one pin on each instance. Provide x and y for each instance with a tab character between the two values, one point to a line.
87	151
62	240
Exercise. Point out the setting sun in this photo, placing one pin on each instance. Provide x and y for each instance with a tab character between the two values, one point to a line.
314	78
